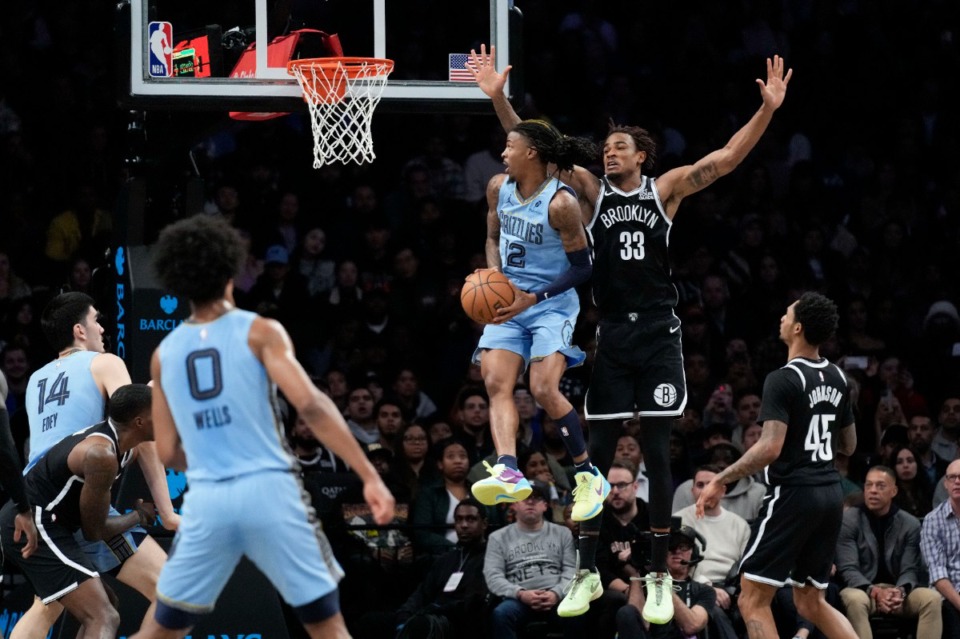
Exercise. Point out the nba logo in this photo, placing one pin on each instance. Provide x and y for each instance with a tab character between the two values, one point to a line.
161	49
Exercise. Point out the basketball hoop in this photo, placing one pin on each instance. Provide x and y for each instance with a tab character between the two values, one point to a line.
341	94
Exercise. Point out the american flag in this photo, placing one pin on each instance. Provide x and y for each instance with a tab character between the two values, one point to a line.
460	68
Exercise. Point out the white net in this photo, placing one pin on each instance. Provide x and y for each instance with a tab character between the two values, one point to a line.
341	94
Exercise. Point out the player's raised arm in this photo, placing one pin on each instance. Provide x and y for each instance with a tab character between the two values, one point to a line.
271	344
682	181
491	82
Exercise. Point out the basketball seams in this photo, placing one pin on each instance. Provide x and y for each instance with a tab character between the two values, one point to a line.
491	290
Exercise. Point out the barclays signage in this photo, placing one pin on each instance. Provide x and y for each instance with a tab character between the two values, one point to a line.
145	312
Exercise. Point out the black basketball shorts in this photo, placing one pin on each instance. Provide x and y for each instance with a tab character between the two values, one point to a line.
794	538
638	367
58	566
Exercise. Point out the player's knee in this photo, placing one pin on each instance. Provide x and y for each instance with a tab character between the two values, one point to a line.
497	383
808	604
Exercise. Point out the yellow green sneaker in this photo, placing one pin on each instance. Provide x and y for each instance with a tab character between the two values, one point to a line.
584	588
588	496
658	608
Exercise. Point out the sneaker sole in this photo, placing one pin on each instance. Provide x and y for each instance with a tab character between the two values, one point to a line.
593	513
658	620
493	495
576	613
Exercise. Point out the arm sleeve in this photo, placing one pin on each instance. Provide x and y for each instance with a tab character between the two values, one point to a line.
932	547
581	267
10	476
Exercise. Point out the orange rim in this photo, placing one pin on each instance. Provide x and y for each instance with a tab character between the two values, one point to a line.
353	67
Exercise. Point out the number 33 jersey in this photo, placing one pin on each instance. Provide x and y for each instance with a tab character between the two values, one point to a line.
630	233
812	399
223	403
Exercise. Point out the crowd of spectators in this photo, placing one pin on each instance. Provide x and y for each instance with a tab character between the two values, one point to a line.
854	191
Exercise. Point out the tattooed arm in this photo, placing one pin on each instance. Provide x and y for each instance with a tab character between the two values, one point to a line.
760	455
682	181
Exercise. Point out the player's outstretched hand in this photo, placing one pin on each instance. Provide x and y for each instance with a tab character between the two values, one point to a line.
484	68
23	525
709	497
775	89
380	500
521	302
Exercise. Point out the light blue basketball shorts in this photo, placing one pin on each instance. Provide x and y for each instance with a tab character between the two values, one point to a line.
541	330
109	554
262	515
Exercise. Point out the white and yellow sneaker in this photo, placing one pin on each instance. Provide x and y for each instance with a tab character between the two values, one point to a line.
588	496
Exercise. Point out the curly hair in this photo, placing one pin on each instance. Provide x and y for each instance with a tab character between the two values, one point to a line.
641	139
129	402
555	147
196	257
818	316
61	314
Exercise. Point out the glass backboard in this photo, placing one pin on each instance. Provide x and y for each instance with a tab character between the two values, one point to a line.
231	55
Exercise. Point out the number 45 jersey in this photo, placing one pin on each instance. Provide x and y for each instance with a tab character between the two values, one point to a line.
62	399
223	403
630	233
812	399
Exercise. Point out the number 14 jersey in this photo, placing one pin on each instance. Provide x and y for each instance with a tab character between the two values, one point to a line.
630	234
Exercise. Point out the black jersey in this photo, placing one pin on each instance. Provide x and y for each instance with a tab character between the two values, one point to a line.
630	233
813	399
53	487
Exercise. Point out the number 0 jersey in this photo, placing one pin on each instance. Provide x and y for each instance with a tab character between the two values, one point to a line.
222	401
62	398
630	233
812	399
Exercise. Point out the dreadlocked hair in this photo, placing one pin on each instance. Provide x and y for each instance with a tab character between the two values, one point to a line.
196	257
818	316
555	147
641	139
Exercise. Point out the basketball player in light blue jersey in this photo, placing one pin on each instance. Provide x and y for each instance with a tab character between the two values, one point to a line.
535	237
638	369
65	396
215	416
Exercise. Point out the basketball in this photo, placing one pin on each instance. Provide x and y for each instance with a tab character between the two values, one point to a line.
484	293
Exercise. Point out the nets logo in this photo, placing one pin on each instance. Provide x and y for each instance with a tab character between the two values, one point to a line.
665	395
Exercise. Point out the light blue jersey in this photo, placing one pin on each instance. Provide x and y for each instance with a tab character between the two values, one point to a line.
532	255
222	401
243	498
62	398
531	251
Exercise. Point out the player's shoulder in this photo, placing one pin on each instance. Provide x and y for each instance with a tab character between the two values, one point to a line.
497	181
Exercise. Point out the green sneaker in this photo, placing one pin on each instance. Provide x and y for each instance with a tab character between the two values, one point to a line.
659	606
584	588
592	489
503	486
